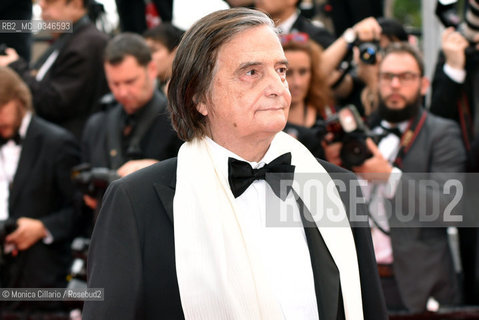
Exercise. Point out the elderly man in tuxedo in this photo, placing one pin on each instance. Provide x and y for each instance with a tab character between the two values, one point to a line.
195	236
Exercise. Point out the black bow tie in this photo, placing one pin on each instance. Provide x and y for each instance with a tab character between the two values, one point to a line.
277	173
394	131
16	138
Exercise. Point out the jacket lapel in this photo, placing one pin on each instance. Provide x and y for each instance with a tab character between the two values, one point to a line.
30	149
166	192
325	272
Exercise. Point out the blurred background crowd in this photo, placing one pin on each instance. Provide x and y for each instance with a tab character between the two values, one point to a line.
378	86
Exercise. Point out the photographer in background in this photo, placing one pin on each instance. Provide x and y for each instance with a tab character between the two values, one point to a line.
415	262
455	86
455	95
311	97
67	80
367	55
163	41
36	158
136	132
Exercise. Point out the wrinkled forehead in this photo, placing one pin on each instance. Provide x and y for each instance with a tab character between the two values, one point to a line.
252	42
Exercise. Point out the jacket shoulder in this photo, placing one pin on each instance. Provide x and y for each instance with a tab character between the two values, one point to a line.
163	173
50	130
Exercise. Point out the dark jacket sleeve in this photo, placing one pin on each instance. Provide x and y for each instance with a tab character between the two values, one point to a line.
114	261
445	93
62	224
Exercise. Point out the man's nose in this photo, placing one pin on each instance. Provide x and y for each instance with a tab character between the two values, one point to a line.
121	91
395	82
276	84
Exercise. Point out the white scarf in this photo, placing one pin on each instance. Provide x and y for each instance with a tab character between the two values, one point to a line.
219	270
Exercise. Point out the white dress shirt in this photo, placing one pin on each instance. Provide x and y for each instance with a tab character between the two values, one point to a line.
376	193
284	249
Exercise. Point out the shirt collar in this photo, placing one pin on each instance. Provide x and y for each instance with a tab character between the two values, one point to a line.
220	157
402	126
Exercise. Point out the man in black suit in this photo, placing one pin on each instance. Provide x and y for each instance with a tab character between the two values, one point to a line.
455	94
197	236
36	158
67	81
136	131
413	253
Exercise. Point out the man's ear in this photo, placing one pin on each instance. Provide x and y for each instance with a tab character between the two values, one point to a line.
201	107
424	85
152	69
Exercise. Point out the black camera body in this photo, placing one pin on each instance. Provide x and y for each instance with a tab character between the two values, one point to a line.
368	51
93	181
446	12
348	128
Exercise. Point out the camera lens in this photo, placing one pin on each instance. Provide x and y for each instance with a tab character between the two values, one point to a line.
367	52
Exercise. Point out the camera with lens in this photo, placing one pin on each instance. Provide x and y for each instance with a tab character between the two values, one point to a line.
347	127
446	12
368	51
93	181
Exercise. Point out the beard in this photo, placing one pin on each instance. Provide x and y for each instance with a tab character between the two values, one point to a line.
409	111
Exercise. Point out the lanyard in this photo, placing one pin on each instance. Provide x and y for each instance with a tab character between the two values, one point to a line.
407	139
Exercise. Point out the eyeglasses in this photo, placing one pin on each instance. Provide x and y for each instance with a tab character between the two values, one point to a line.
405	78
300	37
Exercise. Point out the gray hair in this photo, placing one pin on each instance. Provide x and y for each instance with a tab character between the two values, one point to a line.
195	61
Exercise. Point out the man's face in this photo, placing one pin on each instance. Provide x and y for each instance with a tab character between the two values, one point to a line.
58	9
400	82
11	115
298	75
249	97
131	84
163	58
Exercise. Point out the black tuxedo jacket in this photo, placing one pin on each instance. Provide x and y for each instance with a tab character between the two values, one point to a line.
132	255
70	90
42	189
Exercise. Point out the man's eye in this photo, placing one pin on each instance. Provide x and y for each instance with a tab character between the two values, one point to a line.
252	72
282	70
